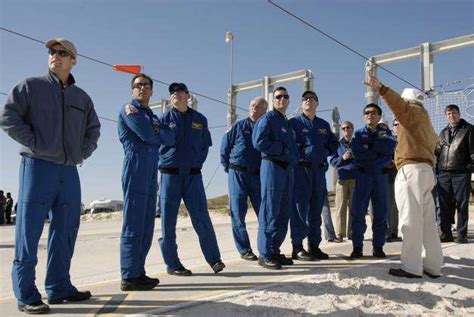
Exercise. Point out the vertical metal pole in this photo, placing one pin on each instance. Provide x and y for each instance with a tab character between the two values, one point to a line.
371	95
427	77
231	116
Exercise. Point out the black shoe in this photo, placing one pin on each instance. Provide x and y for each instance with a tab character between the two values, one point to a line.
249	256
462	240
35	308
284	260
181	271
149	280
356	253
269	263
142	283
318	254
378	253
430	275
302	255
218	266
446	238
402	273
78	296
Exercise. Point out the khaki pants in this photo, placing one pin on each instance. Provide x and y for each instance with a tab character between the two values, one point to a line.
344	191
413	187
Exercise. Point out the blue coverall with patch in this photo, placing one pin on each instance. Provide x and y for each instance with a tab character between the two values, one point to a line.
242	162
141	135
274	138
315	142
180	166
372	151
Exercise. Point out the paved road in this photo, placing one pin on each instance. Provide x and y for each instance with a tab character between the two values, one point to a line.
96	267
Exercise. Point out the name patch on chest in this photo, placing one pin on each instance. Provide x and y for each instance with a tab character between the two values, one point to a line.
322	131
196	125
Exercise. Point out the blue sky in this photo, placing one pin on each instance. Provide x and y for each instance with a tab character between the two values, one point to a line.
177	40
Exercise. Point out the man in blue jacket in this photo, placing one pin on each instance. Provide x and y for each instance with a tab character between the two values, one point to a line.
274	138
141	135
373	148
315	143
242	162
180	166
343	162
57	126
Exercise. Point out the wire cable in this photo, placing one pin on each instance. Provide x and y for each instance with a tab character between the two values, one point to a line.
340	43
214	174
111	65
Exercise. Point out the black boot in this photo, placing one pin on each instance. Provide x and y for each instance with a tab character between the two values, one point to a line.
356	253
316	252
299	253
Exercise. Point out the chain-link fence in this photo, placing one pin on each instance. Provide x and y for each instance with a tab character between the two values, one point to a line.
451	93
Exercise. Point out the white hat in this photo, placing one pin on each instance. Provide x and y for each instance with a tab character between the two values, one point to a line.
413	94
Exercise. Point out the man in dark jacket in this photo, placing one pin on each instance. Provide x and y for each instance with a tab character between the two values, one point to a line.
8	209
455	158
57	126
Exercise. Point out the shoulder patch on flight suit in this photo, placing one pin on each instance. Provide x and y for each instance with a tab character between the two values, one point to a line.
130	109
196	125
322	131
381	135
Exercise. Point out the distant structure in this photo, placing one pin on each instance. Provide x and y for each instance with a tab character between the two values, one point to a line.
105	205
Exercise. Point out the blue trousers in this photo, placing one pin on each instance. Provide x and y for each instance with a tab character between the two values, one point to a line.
454	190
274	214
45	187
309	196
191	189
140	186
242	186
369	187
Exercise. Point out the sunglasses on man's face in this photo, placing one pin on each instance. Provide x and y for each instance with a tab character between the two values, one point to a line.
61	53
282	96
309	98
142	85
175	91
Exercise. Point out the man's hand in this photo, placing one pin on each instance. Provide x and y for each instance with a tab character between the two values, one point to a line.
347	155
373	82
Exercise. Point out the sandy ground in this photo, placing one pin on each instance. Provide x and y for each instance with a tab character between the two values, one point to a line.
358	291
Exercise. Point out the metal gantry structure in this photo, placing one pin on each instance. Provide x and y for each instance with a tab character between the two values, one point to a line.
425	52
267	84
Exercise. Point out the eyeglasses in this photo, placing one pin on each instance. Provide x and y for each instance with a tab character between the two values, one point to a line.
141	85
346	128
371	112
61	53
175	91
282	96
309	98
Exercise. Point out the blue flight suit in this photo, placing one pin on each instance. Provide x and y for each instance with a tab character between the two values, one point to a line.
315	143
242	162
274	138
180	167
141	135
372	153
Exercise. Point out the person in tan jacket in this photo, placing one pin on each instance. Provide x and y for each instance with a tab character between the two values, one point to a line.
414	158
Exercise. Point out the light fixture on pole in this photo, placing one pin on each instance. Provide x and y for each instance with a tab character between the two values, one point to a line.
229	37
